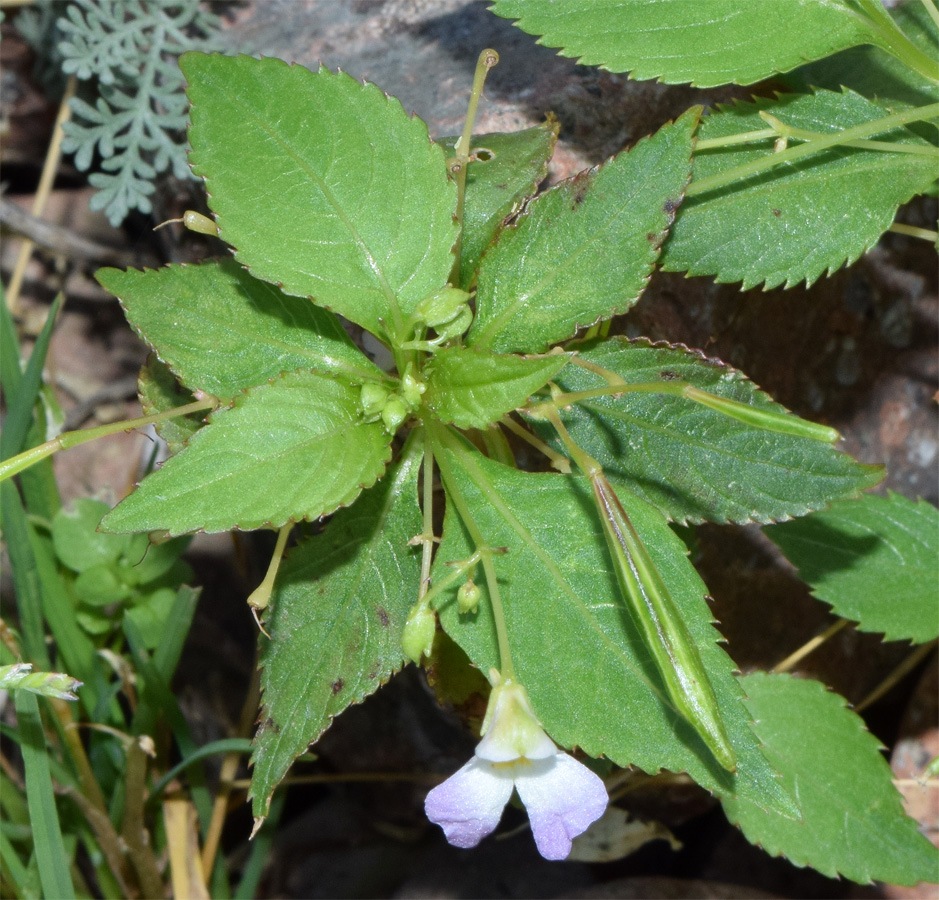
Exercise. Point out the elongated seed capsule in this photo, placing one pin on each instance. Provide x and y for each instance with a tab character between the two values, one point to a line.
666	634
767	419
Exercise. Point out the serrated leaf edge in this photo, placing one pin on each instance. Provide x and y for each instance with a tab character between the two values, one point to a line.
672	206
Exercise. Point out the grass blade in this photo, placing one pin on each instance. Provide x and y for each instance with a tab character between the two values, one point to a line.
20	403
47	833
15	874
260	850
25	577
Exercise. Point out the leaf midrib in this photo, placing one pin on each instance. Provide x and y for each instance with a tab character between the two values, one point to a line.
357	239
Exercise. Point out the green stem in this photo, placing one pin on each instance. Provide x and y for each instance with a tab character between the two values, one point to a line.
803	134
459	571
781	129
27	458
440	436
487	60
497	445
427	537
933	12
561	463
914	231
732	140
757	166
260	597
895	42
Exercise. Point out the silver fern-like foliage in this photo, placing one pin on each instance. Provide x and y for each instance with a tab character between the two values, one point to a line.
131	121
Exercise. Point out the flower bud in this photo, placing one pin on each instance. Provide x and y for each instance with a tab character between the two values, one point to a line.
442	306
457	326
372	399
412	388
393	413
417	638
467	597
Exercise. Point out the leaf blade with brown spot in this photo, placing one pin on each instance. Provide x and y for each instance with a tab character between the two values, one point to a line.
335	621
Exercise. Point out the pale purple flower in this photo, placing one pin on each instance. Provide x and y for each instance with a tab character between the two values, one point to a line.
562	796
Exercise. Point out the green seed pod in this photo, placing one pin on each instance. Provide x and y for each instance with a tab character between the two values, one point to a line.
372	399
442	306
417	638
394	413
467	597
770	420
667	637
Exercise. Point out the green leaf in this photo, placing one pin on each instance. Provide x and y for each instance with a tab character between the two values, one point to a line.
584	250
21	402
507	172
574	644
471	388
324	186
663	628
78	544
145	562
44	818
159	391
151	616
289	450
100	586
220	330
691	461
799	220
852	821
873	560
705	42
336	620
875	74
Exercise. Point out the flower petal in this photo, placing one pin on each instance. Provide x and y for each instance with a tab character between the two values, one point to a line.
563	798
469	804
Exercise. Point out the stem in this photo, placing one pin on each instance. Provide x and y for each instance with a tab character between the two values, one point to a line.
675	388
933	12
783	130
442	436
227	774
497	445
487	60
731	140
133	829
758	166
605	374
908	664
260	597
561	463
897	43
427	537
46	179
27	458
914	231
585	462
459	571
809	646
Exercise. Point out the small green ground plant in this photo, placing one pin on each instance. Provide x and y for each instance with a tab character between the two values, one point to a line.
504	498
